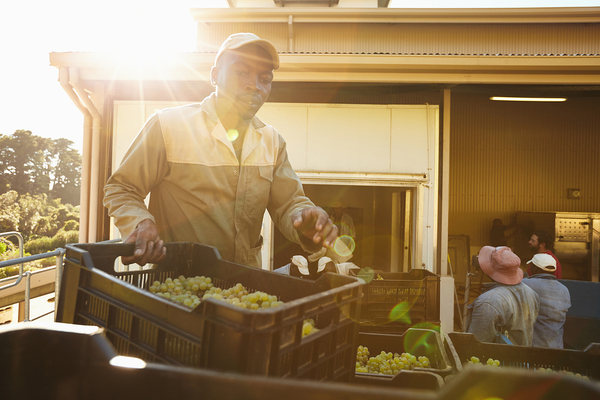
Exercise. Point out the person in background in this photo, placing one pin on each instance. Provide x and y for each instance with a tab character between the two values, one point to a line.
213	168
555	301
507	311
498	233
542	242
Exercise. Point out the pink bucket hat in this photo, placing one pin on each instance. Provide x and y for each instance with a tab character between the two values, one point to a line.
500	264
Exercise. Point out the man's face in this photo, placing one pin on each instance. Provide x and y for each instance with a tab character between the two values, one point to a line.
534	243
243	78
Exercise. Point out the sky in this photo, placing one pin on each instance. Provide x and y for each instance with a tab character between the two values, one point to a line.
31	97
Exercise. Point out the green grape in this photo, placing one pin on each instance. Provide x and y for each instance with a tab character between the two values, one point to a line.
308	327
387	363
190	292
492	363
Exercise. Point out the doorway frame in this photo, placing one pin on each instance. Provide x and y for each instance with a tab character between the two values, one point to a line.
423	210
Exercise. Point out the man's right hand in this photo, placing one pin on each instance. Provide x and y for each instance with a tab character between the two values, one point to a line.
149	248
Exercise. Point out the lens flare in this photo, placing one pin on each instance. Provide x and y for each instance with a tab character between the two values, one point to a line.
400	312
232	134
344	245
420	341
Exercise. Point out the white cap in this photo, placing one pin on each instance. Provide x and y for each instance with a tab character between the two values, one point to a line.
237	40
544	261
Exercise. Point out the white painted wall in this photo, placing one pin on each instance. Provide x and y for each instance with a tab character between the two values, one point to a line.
385	145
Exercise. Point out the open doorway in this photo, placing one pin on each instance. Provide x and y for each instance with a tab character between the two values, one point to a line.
379	218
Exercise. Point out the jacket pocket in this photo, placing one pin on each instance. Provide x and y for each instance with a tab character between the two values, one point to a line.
258	186
266	172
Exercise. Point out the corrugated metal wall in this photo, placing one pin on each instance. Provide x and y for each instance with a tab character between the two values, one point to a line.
444	39
511	156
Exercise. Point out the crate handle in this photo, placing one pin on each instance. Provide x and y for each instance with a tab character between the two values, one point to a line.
120	249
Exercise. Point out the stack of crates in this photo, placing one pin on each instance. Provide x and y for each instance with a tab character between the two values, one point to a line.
395	301
215	334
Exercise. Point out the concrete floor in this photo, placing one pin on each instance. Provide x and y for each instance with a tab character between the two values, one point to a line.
40	309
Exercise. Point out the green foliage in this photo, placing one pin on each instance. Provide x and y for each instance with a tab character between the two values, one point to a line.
71	225
39	183
11	253
45	244
39	245
64	237
36	165
37	215
9	211
31	266
5	246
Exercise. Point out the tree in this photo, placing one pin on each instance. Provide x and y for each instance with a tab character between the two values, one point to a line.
9	211
25	162
67	173
35	165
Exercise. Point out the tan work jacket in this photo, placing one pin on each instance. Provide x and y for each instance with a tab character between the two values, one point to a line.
199	190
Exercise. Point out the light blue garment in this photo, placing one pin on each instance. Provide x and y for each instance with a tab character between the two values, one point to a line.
555	300
504	309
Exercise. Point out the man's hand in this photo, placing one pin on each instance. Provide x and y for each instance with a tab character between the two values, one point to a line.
149	248
315	228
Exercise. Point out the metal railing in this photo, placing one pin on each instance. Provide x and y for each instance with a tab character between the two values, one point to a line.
20	276
58	253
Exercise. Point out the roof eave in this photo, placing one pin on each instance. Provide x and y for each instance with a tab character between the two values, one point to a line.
398	15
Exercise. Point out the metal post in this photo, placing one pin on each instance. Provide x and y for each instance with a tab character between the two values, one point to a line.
59	270
27	294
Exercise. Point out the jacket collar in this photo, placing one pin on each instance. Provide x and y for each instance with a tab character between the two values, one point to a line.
252	137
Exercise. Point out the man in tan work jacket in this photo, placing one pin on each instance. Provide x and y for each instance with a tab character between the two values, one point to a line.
213	168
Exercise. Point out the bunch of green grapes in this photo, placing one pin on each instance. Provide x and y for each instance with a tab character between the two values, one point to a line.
490	361
388	363
190	291
186	291
308	327
239	296
362	355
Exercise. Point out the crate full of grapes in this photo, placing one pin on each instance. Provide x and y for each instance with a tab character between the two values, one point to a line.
395	301
196	309
415	359
468	350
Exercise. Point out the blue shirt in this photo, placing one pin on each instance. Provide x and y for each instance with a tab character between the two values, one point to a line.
555	300
504	309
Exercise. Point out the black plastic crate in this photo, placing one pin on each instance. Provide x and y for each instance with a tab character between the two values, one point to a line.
412	380
417	291
73	362
465	345
419	342
215	334
170	382
516	384
36	357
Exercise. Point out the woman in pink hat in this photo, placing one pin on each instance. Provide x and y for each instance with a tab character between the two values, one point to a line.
507	312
